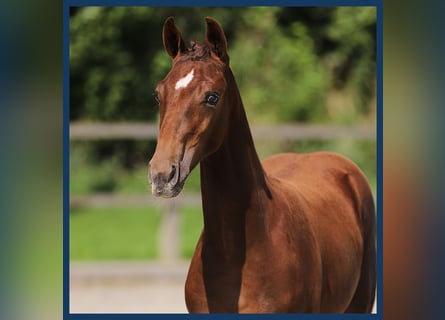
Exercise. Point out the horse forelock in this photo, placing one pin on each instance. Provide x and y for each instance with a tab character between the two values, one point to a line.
196	52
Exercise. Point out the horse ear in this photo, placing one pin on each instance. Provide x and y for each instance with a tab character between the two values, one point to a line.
216	39
172	39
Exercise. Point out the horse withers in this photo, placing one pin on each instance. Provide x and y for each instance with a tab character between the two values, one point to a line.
293	234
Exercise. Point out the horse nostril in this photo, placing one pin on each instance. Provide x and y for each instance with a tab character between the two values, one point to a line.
172	174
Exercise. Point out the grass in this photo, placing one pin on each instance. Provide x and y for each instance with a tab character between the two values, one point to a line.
191	227
110	233
127	234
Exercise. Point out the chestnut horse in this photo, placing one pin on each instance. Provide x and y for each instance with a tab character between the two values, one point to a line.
296	233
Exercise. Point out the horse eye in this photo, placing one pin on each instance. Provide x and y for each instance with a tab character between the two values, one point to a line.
211	99
156	96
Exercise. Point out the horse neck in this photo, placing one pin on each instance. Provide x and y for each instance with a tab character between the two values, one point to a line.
233	186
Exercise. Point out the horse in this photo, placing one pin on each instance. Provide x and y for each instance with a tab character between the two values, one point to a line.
295	233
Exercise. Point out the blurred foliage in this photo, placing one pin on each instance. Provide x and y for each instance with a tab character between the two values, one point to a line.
305	64
298	54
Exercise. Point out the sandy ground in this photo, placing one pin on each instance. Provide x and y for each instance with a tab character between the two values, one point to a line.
128	287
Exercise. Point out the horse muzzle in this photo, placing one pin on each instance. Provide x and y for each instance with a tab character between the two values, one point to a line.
164	180
167	179
167	174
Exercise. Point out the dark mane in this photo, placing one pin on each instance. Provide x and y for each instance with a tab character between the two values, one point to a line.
196	52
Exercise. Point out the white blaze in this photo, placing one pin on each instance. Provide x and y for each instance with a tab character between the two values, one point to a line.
184	82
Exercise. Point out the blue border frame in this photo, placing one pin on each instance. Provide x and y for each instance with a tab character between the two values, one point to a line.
222	3
379	55
66	144
66	157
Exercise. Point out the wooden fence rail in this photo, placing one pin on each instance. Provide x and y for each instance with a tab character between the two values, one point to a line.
294	131
169	228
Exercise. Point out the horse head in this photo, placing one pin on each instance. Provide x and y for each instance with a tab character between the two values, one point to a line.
193	104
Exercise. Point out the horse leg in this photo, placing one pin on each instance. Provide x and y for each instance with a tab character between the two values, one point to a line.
363	299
